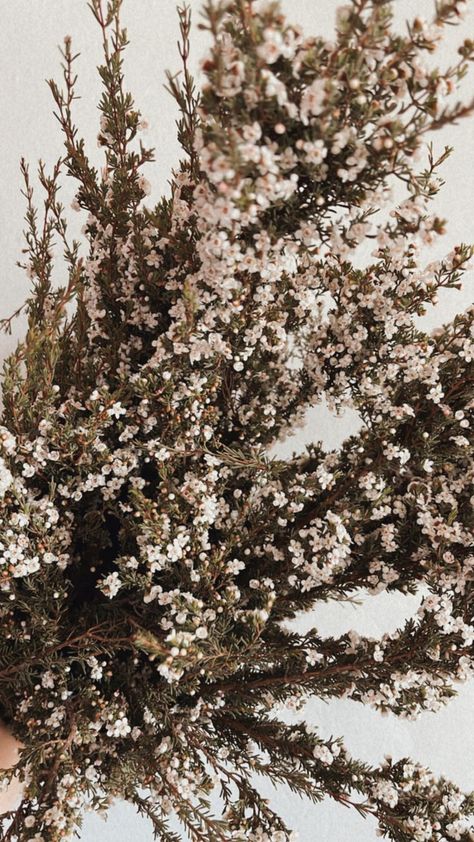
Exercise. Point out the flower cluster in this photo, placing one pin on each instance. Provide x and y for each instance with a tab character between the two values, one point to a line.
154	549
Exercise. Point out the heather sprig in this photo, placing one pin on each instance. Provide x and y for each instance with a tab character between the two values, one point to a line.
155	552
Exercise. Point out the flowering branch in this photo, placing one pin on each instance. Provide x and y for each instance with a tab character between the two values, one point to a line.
154	552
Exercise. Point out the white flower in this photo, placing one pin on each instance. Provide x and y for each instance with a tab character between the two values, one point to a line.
6	478
7	441
96	668
91	773
235	566
271	48
152	593
119	728
111	584
209	509
279	499
116	410
386	792
47	679
325	478
313	99
323	754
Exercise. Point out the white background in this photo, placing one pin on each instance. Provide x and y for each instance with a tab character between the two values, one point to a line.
31	31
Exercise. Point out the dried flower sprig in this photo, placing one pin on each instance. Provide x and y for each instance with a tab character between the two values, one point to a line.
154	552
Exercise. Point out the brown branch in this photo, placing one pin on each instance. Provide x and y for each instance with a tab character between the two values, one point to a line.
90	634
287	679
